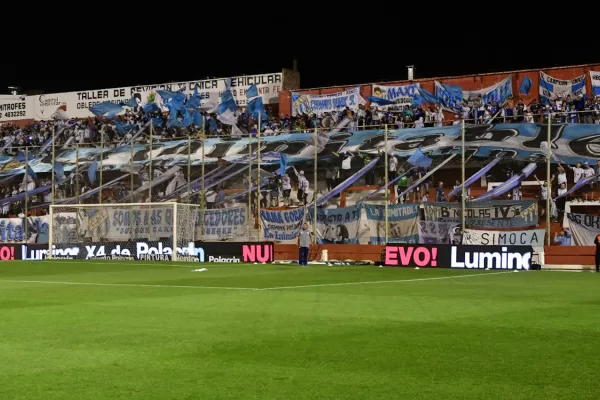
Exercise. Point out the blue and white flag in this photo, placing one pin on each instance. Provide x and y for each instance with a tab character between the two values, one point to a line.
282	225
106	108
552	88
283	163
418	159
188	119
152	108
338	225
227	103
403	222
595	77
452	96
252	92
198	119
379	101
257	109
424	96
92	171
132	102
59	171
398	95
31	173
172	121
195	100
322	103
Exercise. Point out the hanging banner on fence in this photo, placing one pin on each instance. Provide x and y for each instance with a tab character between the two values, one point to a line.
437	232
282	225
125	223
11	230
322	103
552	88
574	143
223	224
492	215
401	95
403	220
595	77
338	225
452	97
17	107
532	237
584	228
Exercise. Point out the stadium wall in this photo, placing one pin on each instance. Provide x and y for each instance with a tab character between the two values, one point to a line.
467	82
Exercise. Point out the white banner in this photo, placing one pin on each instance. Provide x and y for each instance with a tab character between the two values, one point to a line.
338	225
77	104
322	103
12	230
282	225
229	224
532	237
13	108
436	232
403	223
595	77
401	95
584	229
552	88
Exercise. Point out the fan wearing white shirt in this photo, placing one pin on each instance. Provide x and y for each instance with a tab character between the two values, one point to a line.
577	174
588	189
393	165
439	117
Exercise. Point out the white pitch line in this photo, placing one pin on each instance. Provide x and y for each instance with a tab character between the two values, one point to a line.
253	289
376	282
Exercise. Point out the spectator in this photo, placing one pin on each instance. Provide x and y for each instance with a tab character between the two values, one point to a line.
564	238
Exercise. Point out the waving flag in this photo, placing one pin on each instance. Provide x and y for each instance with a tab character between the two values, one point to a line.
157	122
423	96
525	86
380	101
20	156
228	117
172	121
228	84
188	119
152	108
132	102
167	95
552	88
92	171
252	91
227	102
256	109
418	159
283	163
59	171
106	108
30	172
195	100
198	119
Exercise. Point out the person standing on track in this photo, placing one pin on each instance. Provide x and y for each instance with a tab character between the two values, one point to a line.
304	245
597	243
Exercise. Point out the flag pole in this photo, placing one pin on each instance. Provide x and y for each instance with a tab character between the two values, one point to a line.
258	179
203	194
189	167
387	189
76	175
548	191
53	161
131	165
315	158
150	165
250	185
101	156
27	190
463	192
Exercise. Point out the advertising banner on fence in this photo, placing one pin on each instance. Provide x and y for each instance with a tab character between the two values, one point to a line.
492	215
437	232
17	107
322	103
282	225
532	237
403	220
584	228
552	88
401	95
338	225
459	257
223	224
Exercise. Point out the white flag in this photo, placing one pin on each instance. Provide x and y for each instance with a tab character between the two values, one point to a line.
228	118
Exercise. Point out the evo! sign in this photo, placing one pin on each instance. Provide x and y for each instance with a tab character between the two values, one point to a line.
460	257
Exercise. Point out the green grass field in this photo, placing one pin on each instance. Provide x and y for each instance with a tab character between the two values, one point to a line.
77	330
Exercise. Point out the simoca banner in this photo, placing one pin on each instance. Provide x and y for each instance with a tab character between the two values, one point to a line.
459	257
584	228
14	108
77	104
282	225
401	95
492	215
403	223
338	225
322	103
531	237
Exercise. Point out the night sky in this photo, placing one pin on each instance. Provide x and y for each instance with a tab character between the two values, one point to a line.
315	71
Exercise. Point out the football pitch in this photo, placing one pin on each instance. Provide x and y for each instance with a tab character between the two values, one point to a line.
140	330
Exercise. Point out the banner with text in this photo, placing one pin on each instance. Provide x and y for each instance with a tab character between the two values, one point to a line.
492	215
437	232
552	88
322	103
584	229
401	95
532	237
282	225
452	97
338	225
17	107
226	224
595	77
403	220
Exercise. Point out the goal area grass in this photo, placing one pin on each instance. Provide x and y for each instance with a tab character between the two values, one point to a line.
141	330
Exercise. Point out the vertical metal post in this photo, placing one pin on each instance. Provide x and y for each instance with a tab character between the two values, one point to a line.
101	156
76	175
53	161
250	223
150	164
203	194
387	189
131	166
189	167
464	189
258	179
548	193
26	222
315	189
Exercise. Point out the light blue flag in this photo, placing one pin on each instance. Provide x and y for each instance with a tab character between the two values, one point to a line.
198	119
418	159
228	84
120	127
30	172
188	119
157	122
151	108
423	96
195	100
167	95
283	163
106	108
20	156
59	171
525	86
172	121
132	102
92	170
256	108
379	101
227	102
252	92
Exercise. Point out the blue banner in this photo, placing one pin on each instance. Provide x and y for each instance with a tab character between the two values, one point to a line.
282	225
319	104
403	222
